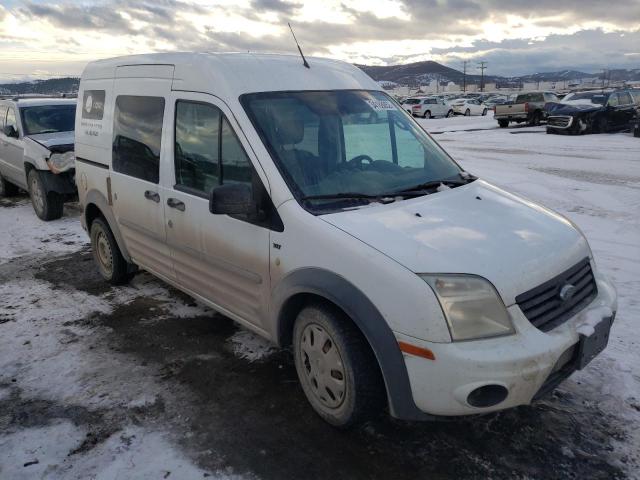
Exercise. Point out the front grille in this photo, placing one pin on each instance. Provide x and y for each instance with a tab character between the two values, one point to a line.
544	307
559	121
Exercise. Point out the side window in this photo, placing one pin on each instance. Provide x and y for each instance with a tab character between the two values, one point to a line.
625	98
197	145
236	167
137	131
613	100
207	150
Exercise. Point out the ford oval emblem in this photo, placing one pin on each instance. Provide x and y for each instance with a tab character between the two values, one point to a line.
567	292
88	104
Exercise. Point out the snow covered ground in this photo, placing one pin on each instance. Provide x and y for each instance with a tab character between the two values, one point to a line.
142	382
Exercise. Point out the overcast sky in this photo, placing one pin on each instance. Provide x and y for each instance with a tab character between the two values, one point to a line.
515	36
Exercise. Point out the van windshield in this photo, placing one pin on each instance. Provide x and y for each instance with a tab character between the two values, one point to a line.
339	142
48	119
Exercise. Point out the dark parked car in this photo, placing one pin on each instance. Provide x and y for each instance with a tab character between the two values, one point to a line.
595	111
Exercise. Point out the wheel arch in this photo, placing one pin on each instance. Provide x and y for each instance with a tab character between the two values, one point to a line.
96	205
314	284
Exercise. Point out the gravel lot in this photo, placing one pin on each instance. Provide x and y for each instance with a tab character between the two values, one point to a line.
142	382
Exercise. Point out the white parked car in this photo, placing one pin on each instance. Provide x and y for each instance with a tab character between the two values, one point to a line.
409	103
431	107
304	204
36	152
469	106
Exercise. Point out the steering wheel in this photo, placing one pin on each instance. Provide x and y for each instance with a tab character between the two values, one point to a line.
357	160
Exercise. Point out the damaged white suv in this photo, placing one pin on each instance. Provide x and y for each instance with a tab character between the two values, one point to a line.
36	151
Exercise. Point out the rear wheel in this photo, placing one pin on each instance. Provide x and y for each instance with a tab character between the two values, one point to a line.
427	114
106	253
503	123
47	205
450	113
337	369
484	112
7	189
467	113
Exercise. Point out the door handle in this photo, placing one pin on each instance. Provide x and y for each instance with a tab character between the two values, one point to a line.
152	196
175	203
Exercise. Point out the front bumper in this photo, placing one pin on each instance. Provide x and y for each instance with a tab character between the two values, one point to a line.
527	364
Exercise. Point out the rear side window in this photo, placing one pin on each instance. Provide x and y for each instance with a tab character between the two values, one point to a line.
613	100
207	150
137	132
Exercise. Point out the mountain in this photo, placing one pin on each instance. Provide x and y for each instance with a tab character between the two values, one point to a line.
53	86
419	73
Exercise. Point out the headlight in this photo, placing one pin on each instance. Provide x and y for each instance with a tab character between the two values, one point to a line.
471	306
61	162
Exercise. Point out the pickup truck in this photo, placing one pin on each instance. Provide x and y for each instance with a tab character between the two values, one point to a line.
37	152
527	107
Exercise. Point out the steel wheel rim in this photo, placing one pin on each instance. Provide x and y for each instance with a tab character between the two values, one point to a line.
36	195
322	366
103	253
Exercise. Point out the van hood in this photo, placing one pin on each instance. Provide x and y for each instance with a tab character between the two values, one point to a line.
473	229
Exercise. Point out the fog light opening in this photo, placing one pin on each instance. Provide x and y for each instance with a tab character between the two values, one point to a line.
487	396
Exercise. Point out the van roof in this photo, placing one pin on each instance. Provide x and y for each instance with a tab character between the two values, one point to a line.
232	74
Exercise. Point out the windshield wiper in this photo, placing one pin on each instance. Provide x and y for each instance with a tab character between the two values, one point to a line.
345	195
423	188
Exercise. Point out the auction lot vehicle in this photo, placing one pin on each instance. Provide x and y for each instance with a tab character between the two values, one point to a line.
596	111
430	107
468	107
408	103
36	151
306	205
527	107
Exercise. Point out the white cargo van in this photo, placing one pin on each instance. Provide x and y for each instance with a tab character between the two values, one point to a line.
308	206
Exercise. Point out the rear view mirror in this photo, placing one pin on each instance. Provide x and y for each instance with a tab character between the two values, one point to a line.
10	131
232	199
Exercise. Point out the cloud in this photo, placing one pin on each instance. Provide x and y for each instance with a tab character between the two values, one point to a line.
514	37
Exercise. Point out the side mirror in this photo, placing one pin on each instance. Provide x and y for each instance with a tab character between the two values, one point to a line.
232	199
10	131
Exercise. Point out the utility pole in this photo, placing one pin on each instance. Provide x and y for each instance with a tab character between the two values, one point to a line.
482	66
604	76
464	75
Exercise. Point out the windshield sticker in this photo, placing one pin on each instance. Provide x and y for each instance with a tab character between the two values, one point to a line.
380	104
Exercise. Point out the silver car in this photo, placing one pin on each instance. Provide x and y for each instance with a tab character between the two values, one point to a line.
431	107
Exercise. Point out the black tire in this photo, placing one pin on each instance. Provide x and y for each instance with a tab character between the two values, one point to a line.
600	124
503	123
106	254
363	395
427	114
7	189
450	114
47	205
467	113
484	112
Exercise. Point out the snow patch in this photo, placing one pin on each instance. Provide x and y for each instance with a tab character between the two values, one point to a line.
249	346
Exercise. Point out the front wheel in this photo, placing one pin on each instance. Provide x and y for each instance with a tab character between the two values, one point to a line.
47	205
467	113
450	113
427	114
484	112
106	253
337	370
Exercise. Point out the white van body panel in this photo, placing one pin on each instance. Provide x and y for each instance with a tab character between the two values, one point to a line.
373	253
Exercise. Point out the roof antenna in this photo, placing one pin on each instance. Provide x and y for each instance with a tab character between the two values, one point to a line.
304	60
